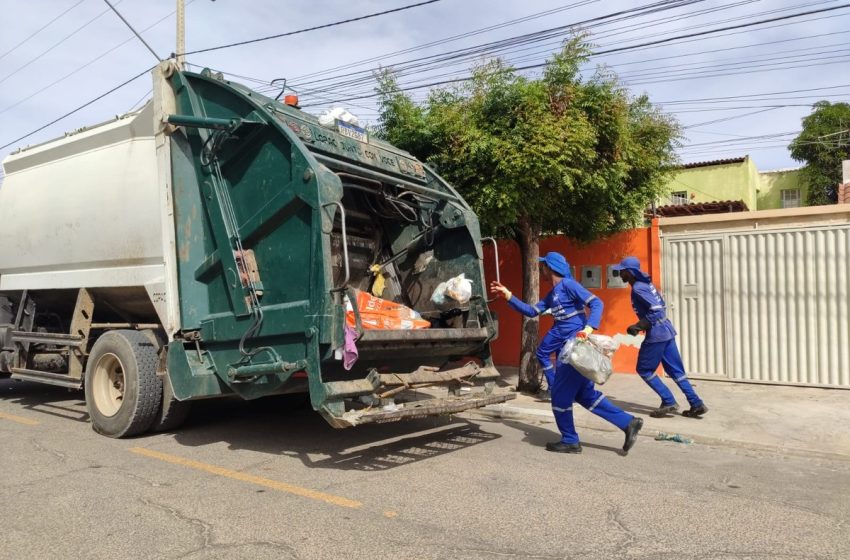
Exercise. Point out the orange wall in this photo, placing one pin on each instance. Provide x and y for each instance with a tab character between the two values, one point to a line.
643	243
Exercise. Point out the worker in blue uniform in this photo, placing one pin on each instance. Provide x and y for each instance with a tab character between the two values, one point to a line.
567	301
659	346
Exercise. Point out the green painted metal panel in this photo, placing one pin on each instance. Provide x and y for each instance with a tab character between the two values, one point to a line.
257	191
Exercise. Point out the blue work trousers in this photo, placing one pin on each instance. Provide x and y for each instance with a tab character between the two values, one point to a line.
572	387
665	353
551	344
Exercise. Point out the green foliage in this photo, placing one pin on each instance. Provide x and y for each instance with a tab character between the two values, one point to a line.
558	152
819	147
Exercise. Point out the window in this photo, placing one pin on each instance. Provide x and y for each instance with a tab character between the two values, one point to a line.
678	198
790	198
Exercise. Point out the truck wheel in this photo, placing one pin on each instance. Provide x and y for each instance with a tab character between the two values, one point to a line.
172	413
123	392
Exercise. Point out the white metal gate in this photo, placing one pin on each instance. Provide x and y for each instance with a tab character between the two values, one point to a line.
762	305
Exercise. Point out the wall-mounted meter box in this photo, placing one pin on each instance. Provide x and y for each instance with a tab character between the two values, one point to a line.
591	276
614	280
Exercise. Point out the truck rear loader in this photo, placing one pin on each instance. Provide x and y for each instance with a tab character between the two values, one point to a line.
209	245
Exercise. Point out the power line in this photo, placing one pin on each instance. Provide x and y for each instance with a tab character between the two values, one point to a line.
136	33
447	39
503	44
87	64
494	47
80	108
639	46
726	119
735	97
489	47
38	56
712	31
40	29
324	26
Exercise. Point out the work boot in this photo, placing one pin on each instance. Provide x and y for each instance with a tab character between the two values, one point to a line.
544	395
631	433
561	447
664	410
695	411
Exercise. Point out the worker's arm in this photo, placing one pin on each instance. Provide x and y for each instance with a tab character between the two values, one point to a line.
582	294
519	305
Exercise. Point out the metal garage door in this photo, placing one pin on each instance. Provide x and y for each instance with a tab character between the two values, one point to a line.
778	302
693	288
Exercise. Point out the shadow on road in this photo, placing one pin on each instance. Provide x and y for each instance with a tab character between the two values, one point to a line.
46	399
538	437
272	425
282	425
634	408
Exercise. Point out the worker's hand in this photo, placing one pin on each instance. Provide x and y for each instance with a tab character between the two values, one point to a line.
634	330
585	332
498	289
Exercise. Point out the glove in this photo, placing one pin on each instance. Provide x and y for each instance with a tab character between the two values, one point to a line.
585	332
497	288
641	325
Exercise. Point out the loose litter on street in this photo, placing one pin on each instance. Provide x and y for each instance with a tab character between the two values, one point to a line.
663	436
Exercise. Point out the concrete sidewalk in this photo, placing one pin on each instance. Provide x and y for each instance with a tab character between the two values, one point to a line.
795	420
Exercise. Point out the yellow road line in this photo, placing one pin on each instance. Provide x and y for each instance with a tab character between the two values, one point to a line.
236	475
19	419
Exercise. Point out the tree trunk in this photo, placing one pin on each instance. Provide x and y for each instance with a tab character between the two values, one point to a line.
529	243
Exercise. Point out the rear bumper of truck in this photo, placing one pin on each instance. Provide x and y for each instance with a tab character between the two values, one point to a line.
418	409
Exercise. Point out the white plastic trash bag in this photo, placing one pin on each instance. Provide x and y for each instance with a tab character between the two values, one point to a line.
591	356
439	295
458	288
329	117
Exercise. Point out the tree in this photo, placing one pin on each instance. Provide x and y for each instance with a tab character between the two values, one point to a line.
538	156
822	145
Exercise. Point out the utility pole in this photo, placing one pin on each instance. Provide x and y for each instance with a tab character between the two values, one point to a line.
181	34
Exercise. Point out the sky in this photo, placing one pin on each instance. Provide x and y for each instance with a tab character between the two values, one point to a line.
742	91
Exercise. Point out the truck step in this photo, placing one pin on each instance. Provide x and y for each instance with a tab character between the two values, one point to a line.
415	409
55	339
57	379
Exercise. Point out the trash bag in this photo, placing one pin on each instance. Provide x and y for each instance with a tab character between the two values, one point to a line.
605	344
377	313
329	117
459	288
591	356
439	295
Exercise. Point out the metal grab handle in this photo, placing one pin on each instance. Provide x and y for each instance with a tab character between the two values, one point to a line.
498	277
496	251
344	242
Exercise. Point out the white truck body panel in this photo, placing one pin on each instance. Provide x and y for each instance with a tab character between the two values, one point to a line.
86	211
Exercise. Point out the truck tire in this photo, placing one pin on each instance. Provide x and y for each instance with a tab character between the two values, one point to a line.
172	413
123	392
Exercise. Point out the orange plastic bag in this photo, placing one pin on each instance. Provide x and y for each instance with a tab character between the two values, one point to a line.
377	313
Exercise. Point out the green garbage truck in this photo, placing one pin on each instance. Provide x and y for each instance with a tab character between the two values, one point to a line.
213	244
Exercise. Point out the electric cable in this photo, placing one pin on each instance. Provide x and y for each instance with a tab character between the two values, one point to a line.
314	28
38	56
40	29
80	108
87	64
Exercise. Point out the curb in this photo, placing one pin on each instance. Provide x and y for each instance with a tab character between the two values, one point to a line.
512	412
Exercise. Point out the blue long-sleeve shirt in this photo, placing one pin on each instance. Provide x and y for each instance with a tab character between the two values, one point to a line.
567	301
651	307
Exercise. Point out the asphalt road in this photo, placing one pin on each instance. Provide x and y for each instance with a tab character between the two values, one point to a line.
253	480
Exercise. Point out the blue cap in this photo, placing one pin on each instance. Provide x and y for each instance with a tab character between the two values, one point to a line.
628	263
557	263
632	264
